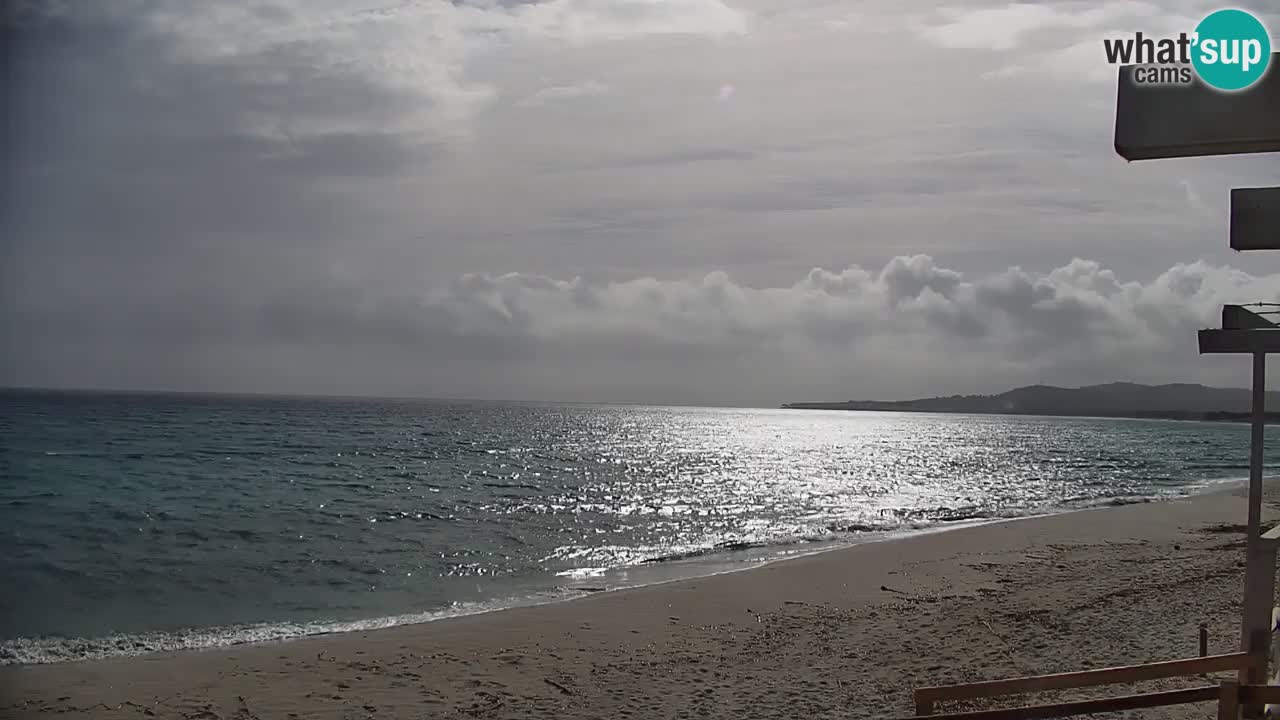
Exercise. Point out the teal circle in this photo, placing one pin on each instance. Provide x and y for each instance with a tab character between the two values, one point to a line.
1225	41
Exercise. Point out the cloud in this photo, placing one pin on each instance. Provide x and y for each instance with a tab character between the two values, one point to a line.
287	196
911	328
1008	26
593	20
1061	42
561	93
417	50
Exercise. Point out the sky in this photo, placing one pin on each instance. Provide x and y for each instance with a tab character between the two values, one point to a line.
730	202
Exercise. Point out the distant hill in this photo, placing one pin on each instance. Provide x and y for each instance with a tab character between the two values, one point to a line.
1179	401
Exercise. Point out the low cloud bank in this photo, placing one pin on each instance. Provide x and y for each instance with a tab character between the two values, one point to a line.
910	328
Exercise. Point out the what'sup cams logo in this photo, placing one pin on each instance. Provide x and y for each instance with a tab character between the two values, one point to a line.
1229	50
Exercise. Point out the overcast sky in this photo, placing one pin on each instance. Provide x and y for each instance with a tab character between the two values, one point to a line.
669	201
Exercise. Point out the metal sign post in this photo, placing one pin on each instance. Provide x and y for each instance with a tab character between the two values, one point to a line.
1195	120
1260	338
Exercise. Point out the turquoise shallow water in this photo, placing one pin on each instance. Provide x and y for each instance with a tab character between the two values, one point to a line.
140	522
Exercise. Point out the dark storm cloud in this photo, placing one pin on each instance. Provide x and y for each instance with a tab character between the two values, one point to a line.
118	134
137	178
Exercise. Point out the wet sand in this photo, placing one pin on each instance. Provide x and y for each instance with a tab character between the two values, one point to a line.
846	633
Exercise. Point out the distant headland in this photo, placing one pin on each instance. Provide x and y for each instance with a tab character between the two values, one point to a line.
1179	401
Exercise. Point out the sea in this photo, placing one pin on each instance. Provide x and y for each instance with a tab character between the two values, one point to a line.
136	523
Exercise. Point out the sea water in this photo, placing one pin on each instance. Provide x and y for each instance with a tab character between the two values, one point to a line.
133	523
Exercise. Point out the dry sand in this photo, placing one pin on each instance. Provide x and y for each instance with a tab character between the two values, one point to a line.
816	636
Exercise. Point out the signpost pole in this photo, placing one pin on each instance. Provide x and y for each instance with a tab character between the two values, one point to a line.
1255	445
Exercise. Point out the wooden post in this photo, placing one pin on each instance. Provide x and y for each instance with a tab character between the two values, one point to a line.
1270	709
1228	700
1260	554
1260	588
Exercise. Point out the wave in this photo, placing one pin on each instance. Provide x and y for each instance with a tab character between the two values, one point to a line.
46	650
721	547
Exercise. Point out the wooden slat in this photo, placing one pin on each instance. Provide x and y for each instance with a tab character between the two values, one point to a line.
1087	678
1259	694
1206	693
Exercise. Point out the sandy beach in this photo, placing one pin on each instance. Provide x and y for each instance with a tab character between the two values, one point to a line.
845	633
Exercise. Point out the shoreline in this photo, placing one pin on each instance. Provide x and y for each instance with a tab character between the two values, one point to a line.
711	564
708	564
845	631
